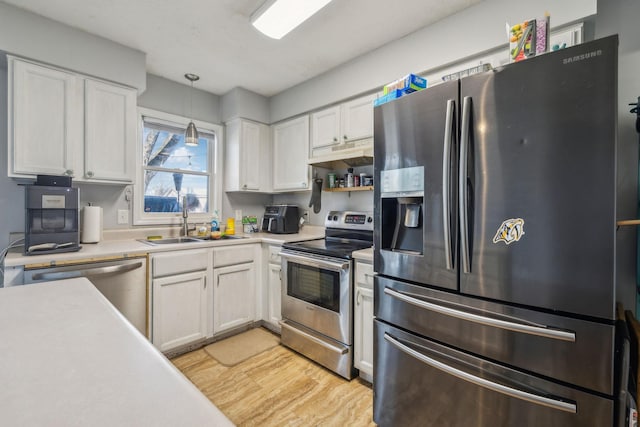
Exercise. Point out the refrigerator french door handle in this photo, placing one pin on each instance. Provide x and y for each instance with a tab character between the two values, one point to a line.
542	331
462	182
500	388
446	183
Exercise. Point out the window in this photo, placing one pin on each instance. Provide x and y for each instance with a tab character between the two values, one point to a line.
172	174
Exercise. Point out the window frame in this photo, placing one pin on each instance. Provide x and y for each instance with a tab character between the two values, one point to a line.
215	167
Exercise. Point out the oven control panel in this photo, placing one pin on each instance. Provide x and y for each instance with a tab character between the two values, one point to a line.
349	219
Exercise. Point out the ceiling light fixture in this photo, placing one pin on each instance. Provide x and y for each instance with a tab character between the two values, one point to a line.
275	18
191	135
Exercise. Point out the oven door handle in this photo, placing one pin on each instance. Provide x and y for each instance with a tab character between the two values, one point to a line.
315	262
345	350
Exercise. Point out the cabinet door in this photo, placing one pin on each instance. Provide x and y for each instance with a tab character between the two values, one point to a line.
251	163
233	296
290	155
247	156
363	332
325	128
357	119
179	310
45	119
110	132
275	296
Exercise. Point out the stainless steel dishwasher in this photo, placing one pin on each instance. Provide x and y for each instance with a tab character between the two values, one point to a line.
123	282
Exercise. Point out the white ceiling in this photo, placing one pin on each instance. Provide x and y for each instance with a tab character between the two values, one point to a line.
214	38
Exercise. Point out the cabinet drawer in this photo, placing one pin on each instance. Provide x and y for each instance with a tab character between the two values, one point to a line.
551	345
170	263
364	274
231	255
274	254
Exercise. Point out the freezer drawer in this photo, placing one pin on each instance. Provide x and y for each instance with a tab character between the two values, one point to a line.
419	382
572	350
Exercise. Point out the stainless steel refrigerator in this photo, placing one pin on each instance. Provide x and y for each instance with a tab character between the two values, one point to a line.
498	258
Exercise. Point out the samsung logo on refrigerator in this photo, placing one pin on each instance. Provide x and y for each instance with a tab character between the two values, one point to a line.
582	57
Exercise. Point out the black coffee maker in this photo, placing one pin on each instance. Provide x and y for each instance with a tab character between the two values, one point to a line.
51	217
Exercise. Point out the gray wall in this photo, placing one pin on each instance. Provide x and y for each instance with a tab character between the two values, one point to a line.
32	36
240	102
472	31
621	17
419	52
175	98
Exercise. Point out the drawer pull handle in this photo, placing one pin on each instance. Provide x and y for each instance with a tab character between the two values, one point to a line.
541	330
482	382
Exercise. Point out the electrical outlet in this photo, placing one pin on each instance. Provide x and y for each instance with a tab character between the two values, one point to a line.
123	216
238	214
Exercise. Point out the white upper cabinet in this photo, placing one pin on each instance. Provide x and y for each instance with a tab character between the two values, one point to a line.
325	128
290	154
247	156
62	123
110	132
357	119
345	126
45	120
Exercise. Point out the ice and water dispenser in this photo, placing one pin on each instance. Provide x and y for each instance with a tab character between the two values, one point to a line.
402	205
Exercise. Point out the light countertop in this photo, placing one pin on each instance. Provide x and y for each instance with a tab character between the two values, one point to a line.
363	255
126	247
70	358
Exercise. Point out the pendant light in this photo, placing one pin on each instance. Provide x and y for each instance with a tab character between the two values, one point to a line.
191	135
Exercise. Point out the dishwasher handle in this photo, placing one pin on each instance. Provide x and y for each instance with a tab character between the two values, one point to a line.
87	272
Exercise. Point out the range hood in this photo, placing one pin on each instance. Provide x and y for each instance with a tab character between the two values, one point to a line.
352	157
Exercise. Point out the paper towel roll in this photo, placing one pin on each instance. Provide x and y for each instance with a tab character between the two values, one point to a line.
91	224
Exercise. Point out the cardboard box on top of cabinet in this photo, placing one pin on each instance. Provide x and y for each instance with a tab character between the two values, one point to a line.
528	38
397	88
407	84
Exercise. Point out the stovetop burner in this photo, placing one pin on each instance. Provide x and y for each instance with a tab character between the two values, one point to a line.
328	247
346	231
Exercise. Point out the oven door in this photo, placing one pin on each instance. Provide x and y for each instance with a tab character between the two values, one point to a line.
316	293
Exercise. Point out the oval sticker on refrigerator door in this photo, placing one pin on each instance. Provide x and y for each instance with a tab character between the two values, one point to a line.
510	231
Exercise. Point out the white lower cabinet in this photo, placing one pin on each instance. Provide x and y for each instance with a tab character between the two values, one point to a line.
363	320
181	304
234	286
273	281
275	295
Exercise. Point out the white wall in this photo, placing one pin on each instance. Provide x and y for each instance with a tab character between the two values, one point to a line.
32	36
472	31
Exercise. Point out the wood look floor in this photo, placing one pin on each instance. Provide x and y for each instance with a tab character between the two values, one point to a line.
279	388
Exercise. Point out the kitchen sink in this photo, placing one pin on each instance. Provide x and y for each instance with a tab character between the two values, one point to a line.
170	240
227	237
174	240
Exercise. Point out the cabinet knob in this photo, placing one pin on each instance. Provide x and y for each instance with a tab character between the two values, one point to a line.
335	139
69	172
345	137
244	187
303	184
90	174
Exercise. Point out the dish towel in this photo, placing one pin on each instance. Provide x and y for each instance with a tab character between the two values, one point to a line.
316	195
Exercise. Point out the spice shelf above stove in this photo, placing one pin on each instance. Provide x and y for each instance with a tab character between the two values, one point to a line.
343	189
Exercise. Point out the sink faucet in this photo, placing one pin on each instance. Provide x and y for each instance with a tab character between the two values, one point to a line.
185	218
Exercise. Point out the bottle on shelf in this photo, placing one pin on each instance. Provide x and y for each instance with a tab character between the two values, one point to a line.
349	177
